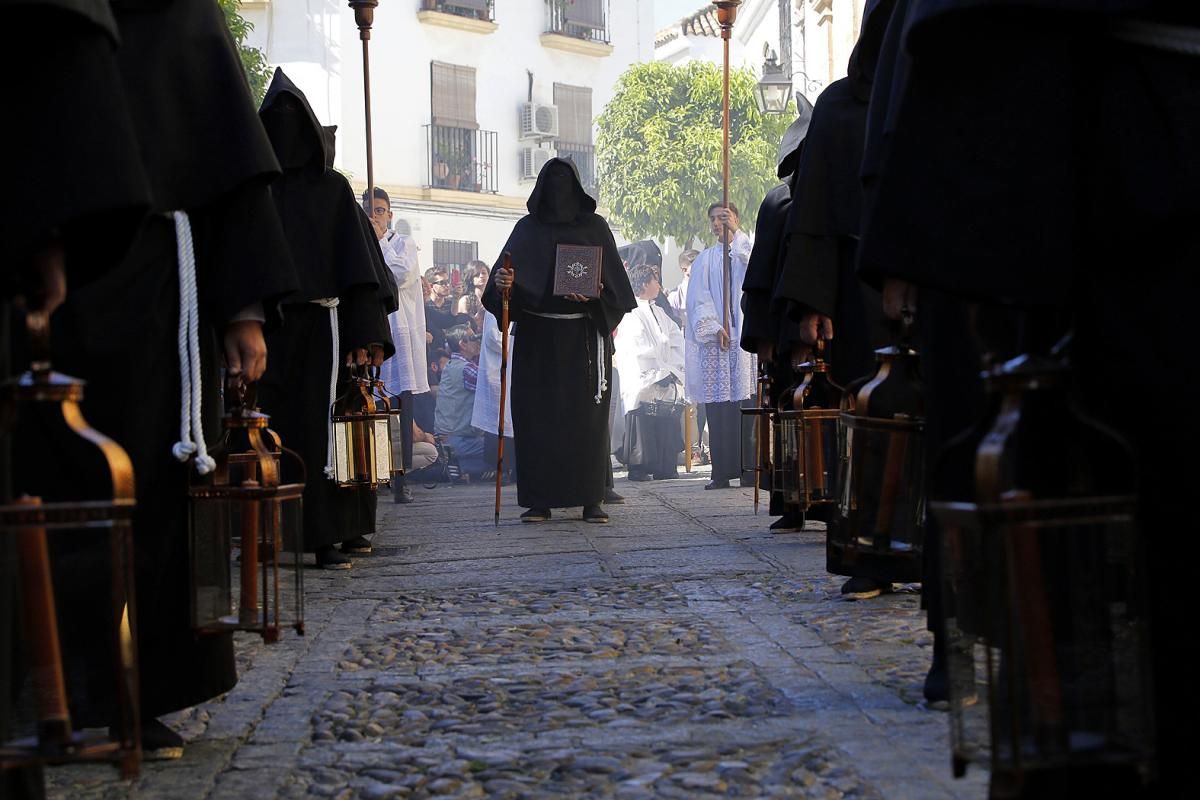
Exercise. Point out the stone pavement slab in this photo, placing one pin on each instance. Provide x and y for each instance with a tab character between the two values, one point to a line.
680	651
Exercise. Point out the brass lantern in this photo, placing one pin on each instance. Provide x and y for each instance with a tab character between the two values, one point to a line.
763	415
69	548
818	401
397	436
1047	624
362	439
881	507
242	507
785	454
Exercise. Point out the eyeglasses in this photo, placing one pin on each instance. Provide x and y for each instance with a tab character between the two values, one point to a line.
379	211
442	282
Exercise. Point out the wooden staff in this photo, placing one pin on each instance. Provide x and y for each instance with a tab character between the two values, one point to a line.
505	294
45	656
687	438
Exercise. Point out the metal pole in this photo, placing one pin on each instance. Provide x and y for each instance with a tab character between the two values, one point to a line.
364	18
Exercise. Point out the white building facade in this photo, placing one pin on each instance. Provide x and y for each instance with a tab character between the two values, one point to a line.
469	98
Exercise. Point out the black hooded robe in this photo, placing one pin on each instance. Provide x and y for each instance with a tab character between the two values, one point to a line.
764	317
558	421
188	103
1067	180
336	256
104	211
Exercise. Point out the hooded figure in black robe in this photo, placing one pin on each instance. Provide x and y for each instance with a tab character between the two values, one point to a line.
562	361
818	283
1064	182
766	330
87	224
338	263
202	151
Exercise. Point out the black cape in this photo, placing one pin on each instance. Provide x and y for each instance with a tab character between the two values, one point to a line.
202	150
558	421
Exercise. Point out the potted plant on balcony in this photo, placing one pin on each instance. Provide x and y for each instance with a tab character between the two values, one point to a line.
456	158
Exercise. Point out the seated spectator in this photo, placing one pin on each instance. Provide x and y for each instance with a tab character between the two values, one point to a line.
456	401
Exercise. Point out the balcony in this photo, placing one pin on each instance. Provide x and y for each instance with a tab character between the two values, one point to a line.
476	16
579	26
584	156
461	159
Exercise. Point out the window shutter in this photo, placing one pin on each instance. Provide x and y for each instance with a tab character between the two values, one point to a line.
574	113
452	97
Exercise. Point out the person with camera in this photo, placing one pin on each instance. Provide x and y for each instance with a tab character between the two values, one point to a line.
456	401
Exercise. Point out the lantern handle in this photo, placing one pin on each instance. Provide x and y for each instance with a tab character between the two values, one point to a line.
37	326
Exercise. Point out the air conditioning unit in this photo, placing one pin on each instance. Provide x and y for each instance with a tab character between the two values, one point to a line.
532	161
539	121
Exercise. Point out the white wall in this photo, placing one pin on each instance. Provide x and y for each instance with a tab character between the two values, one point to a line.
317	44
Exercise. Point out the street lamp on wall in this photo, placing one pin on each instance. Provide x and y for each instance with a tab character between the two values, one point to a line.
774	91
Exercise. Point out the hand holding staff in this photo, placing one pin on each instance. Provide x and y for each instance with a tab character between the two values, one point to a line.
504	281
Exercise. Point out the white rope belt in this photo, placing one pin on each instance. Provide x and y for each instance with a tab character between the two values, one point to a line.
1160	36
191	424
601	377
332	304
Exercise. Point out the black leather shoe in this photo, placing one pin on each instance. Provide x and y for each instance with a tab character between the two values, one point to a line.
639	476
330	558
400	491
536	515
863	588
788	523
160	743
714	484
359	546
594	514
612	497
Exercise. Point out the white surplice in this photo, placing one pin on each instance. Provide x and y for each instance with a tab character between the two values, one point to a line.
649	348
485	414
406	371
714	375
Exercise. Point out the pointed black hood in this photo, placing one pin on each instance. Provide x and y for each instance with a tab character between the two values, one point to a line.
295	133
543	197
793	138
864	59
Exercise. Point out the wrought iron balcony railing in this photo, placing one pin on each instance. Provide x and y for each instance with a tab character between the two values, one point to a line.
581	19
474	9
462	158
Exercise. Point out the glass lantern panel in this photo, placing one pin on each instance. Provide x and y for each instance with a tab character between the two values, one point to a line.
77	648
382	450
396	437
884	503
787	458
343	442
819	444
291	560
210	524
1054	640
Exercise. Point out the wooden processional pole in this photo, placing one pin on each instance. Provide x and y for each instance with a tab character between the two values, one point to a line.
364	18
726	14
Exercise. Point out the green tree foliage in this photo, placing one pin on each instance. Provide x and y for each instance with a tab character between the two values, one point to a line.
659	149
258	74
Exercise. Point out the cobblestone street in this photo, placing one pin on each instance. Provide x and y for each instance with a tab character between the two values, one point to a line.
681	651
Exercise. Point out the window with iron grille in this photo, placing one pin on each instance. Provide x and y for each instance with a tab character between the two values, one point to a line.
575	130
452	255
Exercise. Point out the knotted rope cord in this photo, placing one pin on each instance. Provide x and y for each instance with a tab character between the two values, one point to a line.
191	425
332	304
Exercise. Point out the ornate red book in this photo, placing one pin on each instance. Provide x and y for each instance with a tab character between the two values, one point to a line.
577	270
